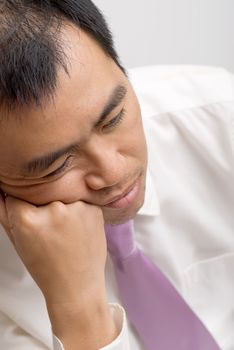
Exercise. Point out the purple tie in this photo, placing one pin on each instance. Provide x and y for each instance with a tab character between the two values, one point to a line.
159	314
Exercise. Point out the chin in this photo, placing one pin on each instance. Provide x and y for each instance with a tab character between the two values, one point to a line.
114	216
117	216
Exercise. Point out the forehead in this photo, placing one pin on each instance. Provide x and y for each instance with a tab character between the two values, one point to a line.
79	97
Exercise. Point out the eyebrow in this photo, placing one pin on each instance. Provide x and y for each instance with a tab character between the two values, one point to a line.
42	163
114	100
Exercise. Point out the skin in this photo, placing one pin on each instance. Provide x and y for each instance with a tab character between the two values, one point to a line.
47	218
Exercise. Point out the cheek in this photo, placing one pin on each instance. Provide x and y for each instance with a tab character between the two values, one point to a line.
136	139
67	189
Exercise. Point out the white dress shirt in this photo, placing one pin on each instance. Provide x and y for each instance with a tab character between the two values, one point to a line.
186	225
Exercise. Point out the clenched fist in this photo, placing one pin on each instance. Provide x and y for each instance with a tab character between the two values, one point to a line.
63	247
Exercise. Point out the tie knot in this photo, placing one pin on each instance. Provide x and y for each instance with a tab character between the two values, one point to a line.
120	239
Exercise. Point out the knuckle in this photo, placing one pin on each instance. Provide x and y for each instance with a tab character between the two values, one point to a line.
79	207
57	208
26	218
97	212
58	213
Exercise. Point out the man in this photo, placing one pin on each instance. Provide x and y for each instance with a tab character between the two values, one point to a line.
73	157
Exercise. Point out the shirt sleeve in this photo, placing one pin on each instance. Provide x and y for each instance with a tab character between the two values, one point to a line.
13	337
120	343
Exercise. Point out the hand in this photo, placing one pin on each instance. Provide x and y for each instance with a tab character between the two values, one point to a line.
64	249
62	246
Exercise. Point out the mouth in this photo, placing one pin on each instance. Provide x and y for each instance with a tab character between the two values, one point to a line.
126	198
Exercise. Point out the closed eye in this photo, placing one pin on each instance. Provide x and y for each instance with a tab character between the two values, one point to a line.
110	125
61	169
115	121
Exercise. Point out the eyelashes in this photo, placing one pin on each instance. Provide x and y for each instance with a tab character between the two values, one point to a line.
61	169
114	122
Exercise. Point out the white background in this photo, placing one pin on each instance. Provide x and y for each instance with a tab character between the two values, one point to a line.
172	31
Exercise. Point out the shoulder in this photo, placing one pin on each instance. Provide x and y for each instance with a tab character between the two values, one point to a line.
162	88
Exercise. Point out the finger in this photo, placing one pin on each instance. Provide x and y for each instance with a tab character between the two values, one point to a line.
16	208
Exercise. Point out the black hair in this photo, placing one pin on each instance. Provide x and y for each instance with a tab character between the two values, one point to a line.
30	45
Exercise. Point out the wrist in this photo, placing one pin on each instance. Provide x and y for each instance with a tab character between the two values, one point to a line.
87	325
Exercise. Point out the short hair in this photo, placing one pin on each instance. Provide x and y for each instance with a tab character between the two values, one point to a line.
31	49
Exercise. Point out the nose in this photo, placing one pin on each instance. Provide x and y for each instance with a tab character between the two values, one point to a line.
107	167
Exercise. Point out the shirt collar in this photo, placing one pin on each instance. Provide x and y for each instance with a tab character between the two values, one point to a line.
151	206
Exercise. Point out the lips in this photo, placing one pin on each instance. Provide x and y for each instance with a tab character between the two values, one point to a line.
124	193
128	199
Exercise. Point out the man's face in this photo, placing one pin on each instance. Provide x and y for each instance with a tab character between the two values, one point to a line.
88	144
